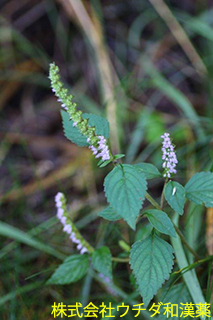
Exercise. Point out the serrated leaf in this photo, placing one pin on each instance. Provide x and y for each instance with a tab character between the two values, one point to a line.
177	294
161	222
125	187
151	260
109	214
143	232
149	170
175	196
199	189
102	261
72	133
71	270
101	124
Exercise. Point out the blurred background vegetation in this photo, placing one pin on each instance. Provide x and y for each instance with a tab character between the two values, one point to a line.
148	67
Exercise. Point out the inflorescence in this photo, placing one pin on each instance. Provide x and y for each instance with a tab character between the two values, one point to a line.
98	144
108	284
169	156
69	227
102	150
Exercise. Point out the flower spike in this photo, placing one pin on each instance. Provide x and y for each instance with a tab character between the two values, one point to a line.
68	226
98	144
169	157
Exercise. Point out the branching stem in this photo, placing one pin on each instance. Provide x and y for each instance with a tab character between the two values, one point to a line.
183	239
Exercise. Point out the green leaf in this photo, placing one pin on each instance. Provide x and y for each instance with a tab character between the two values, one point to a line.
102	261
71	270
104	163
149	170
101	124
72	133
119	156
175	295
143	232
199	189
125	188
151	260
160	221
109	214
154	127
175	196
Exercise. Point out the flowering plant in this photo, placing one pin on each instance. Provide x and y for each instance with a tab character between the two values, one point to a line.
152	257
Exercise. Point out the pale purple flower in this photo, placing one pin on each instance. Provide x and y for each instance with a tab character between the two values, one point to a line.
93	149
60	212
109	284
74	124
58	198
63	220
168	156
83	250
64	106
59	100
102	151
105	278
79	246
67	226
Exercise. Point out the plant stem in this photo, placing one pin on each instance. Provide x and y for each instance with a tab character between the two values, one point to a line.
162	194
152	201
124	260
190	277
194	265
183	239
157	206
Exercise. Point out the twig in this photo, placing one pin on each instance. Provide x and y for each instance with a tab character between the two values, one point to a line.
162	195
157	206
124	260
186	243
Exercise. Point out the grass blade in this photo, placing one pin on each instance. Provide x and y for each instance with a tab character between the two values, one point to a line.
11	295
173	94
190	277
21	236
